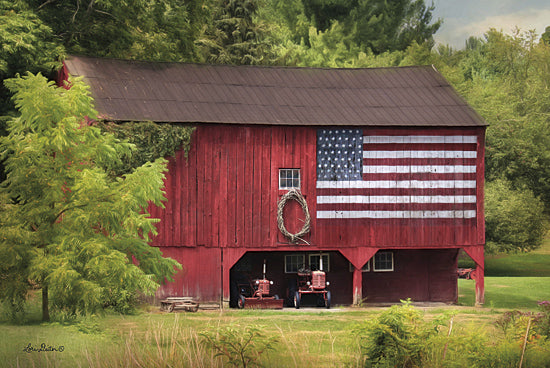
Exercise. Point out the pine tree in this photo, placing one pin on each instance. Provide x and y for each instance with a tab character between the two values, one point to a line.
65	224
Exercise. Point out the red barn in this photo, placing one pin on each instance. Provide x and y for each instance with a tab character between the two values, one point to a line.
390	162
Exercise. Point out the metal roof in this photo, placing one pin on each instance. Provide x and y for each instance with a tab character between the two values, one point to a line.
126	90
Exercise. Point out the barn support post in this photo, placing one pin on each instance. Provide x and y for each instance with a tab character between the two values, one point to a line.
357	286
358	258
480	286
477	253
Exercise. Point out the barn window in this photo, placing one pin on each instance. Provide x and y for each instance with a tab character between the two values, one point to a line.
383	261
293	262
289	178
315	265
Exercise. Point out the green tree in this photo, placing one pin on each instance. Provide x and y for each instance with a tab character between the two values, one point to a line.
160	30
236	35
393	25
375	25
514	218
66	225
27	45
545	37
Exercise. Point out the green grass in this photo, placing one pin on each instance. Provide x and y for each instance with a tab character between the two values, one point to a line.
507	292
320	338
532	264
512	281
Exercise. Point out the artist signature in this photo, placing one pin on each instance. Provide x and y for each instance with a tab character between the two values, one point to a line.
43	348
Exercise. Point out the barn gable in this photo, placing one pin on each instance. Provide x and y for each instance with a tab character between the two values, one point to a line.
388	160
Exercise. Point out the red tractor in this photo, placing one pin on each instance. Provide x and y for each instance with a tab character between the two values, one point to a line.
312	282
255	294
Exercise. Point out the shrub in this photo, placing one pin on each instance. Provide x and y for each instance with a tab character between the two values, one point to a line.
242	347
399	337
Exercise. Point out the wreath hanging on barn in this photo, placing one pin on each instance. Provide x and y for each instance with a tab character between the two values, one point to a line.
293	194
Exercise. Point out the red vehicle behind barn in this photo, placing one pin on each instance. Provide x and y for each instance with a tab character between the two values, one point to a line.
388	161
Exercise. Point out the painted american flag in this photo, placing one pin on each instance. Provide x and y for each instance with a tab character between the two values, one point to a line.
395	176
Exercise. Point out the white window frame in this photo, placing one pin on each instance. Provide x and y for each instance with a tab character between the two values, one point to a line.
284	175
300	262
379	254
326	261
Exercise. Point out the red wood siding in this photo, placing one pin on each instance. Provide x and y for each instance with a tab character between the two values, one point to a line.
225	194
201	274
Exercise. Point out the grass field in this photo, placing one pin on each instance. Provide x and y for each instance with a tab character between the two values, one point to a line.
532	264
507	292
513	281
315	337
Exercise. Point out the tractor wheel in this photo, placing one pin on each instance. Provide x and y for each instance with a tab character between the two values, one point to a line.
297	300
240	302
170	308
328	300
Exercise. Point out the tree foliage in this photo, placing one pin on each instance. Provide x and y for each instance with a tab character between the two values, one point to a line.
66	225
236	35
27	44
370	25
514	218
152	141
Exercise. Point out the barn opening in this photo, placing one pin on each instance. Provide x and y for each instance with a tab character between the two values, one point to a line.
282	268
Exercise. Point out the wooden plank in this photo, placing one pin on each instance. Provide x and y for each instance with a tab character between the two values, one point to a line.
256	196
305	164
480	236
192	188
183	166
178	194
277	156
215	193
225	135
201	172
232	190
168	236
308	164
240	189
248	209
209	149
267	201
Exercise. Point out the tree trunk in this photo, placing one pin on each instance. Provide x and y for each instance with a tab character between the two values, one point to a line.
45	306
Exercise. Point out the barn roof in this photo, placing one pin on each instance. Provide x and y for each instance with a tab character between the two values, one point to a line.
193	93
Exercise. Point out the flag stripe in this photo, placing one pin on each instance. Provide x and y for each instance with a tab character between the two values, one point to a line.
396	199
419	154
396	214
419	161
420	176
397	191
404	139
383	169
420	147
397	184
399	206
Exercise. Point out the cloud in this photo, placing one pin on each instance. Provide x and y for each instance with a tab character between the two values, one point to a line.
455	31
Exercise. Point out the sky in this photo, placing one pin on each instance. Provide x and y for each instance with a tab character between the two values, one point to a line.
465	18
